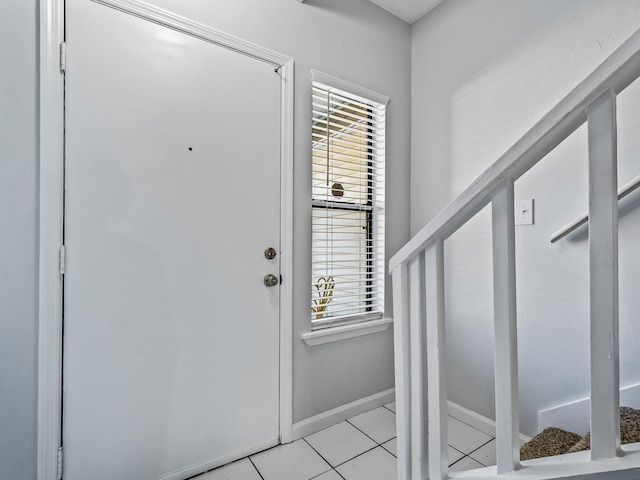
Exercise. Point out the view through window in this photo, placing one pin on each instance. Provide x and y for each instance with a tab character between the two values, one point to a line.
347	274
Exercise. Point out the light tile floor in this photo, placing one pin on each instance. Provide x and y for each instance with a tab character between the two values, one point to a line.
361	448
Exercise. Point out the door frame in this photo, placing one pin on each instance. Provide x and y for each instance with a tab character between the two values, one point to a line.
51	203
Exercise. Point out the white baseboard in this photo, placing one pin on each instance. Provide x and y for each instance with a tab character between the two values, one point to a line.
337	415
575	416
477	421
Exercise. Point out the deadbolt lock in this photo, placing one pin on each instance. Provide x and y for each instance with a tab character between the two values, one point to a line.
270	253
270	280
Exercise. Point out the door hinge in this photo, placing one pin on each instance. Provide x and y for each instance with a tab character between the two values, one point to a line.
59	475
63	57
63	260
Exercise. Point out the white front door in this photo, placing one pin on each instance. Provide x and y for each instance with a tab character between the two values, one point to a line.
172	196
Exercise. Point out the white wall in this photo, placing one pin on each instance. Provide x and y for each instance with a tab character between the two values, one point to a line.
18	239
353	40
484	71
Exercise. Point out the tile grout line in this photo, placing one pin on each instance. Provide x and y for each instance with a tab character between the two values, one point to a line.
465	455
456	449
460	452
339	474
372	439
346	461
459	460
388	450
474	451
360	454
473	460
254	466
320	455
389	409
323	473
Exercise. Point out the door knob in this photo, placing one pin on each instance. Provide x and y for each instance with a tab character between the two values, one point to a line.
270	253
270	280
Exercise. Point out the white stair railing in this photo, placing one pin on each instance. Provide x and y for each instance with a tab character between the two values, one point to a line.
418	291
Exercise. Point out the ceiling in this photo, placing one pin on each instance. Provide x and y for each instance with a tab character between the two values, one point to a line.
408	10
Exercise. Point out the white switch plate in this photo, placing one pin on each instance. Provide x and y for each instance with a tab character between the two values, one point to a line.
524	212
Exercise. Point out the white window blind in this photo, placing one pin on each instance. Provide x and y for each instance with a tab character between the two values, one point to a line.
347	271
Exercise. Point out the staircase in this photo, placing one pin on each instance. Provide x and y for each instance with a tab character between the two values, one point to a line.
418	292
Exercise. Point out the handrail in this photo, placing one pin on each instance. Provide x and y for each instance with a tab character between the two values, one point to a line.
614	74
584	218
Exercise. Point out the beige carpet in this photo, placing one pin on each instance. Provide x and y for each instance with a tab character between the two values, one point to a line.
555	441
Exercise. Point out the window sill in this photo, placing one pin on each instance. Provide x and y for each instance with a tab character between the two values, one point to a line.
335	334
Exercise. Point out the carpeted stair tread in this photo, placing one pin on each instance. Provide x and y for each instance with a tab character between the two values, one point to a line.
555	441
629	430
551	441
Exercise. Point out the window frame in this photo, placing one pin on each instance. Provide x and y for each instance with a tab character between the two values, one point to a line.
369	207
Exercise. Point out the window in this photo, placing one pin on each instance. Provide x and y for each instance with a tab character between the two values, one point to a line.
348	269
